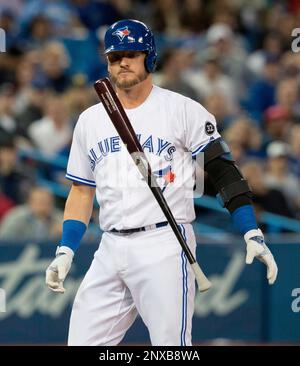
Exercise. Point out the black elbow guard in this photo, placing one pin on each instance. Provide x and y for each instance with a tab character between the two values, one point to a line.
215	149
233	190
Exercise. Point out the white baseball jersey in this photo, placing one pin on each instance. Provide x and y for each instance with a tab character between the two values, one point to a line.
171	129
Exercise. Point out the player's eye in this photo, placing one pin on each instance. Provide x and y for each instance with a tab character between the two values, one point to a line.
114	57
117	56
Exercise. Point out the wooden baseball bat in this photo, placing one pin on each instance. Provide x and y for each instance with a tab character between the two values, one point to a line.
118	116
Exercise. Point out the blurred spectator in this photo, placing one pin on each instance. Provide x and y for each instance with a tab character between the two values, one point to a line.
232	57
54	64
285	25
245	134
278	19
238	151
288	97
193	16
249	17
124	8
272	48
262	93
223	12
38	219
7	99
173	65
218	106
78	98
279	176
8	64
54	131
211	80
38	32
14	180
31	106
24	77
264	198
290	65
166	17
277	123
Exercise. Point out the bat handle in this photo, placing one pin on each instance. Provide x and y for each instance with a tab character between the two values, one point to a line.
203	282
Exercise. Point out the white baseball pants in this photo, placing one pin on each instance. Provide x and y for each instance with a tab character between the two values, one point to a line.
143	273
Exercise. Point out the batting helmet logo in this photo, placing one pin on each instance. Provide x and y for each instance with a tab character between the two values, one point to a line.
131	35
121	33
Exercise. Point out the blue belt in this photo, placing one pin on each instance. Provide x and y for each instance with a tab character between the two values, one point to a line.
138	229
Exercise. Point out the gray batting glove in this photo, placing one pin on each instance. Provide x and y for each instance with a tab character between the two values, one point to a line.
256	247
59	268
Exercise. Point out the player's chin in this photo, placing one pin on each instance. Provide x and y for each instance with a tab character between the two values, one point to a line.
127	81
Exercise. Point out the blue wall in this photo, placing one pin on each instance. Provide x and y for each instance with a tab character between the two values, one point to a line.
240	306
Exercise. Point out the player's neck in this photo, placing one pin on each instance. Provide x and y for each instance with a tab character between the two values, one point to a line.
135	96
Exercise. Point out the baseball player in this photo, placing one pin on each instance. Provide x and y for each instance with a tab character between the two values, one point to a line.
139	267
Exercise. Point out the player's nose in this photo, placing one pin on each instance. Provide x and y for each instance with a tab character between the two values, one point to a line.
124	61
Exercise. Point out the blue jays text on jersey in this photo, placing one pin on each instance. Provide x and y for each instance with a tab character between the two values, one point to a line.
112	144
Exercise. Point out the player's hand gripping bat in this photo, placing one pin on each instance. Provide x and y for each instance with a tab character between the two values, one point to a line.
122	124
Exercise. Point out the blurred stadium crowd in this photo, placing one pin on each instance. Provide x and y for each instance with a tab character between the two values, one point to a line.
234	57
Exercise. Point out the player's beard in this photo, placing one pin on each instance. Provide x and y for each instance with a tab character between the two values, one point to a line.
128	83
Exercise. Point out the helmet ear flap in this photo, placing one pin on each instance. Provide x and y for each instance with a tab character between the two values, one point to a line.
150	62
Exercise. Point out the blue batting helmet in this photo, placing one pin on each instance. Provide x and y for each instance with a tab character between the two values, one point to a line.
131	35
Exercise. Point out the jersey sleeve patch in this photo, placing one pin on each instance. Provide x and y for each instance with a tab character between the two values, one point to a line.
209	128
201	127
